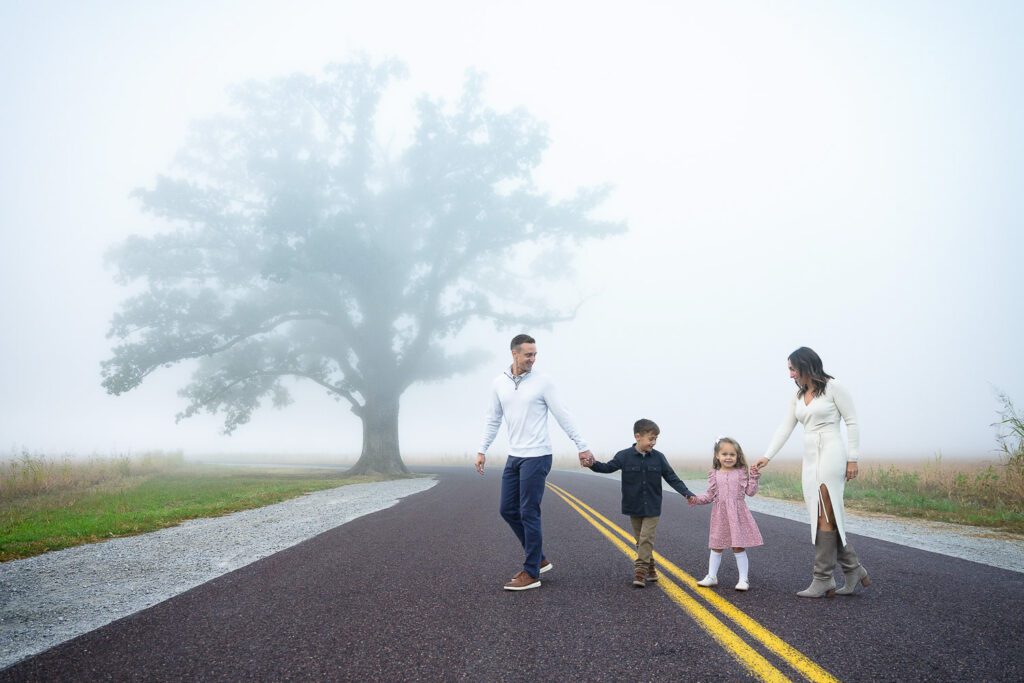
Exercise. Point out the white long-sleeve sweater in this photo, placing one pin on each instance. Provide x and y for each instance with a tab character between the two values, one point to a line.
822	415
524	403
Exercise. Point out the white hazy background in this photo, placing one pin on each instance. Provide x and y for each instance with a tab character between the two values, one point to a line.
842	176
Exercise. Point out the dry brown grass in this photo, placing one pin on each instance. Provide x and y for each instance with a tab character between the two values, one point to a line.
29	474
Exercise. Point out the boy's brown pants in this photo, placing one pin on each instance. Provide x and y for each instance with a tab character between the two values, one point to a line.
643	532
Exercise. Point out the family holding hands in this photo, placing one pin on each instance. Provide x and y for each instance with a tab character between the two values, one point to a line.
523	399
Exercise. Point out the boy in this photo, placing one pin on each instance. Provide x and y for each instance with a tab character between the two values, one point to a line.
642	471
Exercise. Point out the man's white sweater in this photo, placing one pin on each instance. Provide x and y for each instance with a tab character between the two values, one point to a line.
524	402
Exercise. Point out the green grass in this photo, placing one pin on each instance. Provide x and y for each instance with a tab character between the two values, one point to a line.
785	485
80	512
976	494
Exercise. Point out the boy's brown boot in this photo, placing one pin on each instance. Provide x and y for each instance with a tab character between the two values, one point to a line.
652	573
640	577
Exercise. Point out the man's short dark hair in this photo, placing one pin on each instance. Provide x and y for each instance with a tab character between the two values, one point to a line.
645	426
521	339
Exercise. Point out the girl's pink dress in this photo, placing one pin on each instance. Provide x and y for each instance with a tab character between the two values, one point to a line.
732	525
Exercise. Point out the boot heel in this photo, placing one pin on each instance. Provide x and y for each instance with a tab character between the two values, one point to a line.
830	593
865	581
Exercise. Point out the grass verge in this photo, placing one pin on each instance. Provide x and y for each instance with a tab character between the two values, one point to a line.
79	506
976	494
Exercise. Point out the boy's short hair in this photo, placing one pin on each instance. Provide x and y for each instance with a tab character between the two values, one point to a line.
645	426
521	339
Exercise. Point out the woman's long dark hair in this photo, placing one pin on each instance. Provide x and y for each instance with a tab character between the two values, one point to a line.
806	362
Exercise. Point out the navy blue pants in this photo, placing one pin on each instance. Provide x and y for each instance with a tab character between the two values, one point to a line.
522	488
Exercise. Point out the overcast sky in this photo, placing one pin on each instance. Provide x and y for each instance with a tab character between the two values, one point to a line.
842	176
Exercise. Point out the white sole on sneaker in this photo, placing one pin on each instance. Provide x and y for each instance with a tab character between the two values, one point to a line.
742	586
535	584
548	567
708	581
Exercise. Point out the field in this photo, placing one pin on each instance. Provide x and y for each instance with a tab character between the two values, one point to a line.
48	504
963	492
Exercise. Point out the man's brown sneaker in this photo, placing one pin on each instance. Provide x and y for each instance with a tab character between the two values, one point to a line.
652	573
521	582
640	578
544	567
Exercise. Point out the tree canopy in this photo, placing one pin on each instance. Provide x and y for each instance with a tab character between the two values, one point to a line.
300	246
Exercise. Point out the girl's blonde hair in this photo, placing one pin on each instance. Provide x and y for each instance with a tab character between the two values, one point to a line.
740	460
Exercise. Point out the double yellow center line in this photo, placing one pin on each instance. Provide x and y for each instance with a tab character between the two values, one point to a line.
751	659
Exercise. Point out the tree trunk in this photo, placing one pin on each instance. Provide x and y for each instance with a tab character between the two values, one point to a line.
380	438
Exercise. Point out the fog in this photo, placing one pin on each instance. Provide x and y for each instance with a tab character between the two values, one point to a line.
845	177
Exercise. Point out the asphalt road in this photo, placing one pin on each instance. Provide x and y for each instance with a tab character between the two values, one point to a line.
414	593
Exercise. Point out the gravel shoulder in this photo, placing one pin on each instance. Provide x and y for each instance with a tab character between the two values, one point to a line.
50	598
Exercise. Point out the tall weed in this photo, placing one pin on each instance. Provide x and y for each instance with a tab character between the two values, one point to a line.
1010	435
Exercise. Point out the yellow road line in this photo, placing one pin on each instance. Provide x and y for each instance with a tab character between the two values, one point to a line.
752	660
796	659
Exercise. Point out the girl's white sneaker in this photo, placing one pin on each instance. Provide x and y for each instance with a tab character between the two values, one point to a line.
742	586
708	581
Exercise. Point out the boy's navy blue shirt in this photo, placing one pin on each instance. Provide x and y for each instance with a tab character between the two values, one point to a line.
641	480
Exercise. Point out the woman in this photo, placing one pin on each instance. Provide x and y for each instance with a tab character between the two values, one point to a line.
820	402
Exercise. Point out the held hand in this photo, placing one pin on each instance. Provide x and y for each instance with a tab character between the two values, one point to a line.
692	501
763	462
480	460
851	471
586	458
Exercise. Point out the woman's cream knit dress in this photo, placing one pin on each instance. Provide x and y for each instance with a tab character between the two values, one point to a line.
825	455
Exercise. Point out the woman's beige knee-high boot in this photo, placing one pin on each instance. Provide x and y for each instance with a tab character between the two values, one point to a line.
824	581
853	570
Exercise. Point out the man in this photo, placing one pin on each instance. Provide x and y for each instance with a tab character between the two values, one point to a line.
523	398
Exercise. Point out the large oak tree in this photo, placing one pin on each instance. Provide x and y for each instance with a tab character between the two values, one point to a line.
300	246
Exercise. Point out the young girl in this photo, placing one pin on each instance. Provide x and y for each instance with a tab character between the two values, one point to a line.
732	525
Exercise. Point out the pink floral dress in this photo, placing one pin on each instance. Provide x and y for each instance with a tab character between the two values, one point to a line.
732	525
